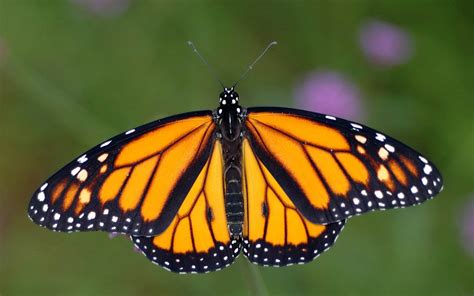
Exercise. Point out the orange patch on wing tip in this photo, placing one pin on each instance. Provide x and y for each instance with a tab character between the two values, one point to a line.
103	169
58	189
69	196
354	167
305	130
398	172
384	176
360	149
361	139
82	175
155	141
409	165
383	153
84	199
85	196
111	187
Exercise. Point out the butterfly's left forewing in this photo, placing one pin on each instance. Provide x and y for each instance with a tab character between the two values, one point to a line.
133	183
332	169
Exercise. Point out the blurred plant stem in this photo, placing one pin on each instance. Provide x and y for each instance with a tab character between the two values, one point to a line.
70	114
253	278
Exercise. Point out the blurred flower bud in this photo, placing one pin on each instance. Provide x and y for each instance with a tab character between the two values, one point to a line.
467	228
107	8
385	44
331	93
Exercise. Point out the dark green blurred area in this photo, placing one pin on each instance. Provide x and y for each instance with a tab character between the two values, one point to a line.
70	79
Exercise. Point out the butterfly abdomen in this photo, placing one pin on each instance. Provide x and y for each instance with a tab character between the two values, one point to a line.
234	203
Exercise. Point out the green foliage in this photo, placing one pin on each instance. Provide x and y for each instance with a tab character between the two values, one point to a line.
70	79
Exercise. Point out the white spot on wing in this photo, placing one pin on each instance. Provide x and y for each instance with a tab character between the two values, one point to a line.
356	125
423	159
427	169
378	194
389	147
41	196
75	170
380	137
424	181
130	131
330	117
105	143
82	159
91	216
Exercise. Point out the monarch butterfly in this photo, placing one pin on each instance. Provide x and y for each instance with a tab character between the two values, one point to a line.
196	189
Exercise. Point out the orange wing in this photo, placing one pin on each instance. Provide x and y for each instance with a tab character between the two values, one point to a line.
275	232
332	169
133	183
197	240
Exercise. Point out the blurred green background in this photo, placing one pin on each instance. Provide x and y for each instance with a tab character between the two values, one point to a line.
73	73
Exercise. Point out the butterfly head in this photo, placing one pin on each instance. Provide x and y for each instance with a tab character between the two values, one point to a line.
229	102
229	114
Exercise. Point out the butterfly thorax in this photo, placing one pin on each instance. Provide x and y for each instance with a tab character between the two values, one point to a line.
229	118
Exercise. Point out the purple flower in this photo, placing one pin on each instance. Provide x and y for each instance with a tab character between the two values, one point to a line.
329	93
384	44
467	227
107	8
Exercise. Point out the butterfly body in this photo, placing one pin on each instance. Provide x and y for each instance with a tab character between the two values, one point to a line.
229	117
196	189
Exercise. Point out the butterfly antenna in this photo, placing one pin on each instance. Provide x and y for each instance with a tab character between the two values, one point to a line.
254	62
211	69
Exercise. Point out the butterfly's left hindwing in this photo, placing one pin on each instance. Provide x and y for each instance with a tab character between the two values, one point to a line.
133	183
332	169
197	240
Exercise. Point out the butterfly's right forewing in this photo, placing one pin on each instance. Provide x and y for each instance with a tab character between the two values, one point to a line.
133	183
